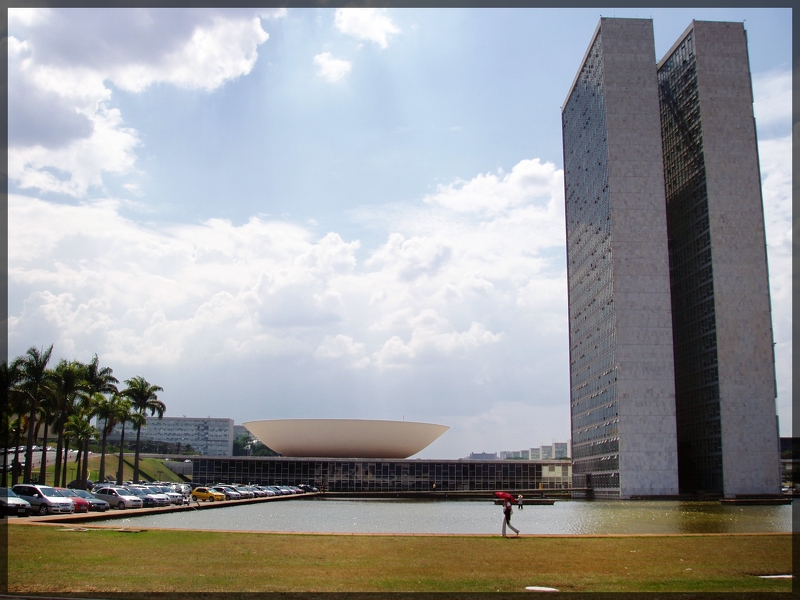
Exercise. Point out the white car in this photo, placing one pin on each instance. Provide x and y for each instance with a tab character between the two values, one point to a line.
174	497
118	497
44	499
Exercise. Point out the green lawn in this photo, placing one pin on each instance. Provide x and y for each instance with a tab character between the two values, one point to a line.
153	467
45	559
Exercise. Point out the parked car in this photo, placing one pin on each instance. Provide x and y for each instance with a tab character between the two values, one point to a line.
267	491
95	504
81	504
182	488
245	493
156	492
230	493
152	493
206	494
259	493
11	504
118	497
174	497
44	499
147	499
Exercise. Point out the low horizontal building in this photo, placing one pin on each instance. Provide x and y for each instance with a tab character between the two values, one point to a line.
209	436
482	456
556	450
385	475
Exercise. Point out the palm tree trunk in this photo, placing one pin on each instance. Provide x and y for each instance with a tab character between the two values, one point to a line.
15	465
66	457
101	477
29	448
136	459
79	466
85	472
6	432
35	437
120	469
43	466
59	452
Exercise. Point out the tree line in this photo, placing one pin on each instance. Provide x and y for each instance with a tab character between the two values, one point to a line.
64	399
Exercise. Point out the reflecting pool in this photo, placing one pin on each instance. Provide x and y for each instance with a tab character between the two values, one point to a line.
321	514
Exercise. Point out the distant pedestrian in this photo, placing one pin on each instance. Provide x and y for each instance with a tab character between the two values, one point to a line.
519	502
507	511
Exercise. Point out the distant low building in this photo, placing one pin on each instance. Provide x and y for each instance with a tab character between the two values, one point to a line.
515	455
554	451
482	456
561	450
209	436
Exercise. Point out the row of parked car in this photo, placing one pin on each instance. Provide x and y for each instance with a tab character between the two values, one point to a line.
224	491
29	498
25	499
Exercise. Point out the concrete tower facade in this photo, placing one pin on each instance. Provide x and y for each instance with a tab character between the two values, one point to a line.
725	366
622	379
671	364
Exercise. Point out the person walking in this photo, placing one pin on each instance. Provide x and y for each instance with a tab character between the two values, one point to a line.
519	502
507	511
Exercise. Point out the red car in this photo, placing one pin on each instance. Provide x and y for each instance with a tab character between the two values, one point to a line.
81	504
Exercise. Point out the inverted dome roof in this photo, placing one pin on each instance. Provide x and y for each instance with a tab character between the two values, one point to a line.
345	438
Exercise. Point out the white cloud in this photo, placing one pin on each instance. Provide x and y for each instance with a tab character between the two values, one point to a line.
214	54
772	93
775	158
370	24
63	135
411	258
432	336
173	294
528	180
331	69
72	169
465	306
343	347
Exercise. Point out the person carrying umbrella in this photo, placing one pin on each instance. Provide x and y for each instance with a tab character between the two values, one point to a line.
507	511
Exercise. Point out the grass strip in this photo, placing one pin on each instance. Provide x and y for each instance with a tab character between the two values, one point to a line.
47	559
148	468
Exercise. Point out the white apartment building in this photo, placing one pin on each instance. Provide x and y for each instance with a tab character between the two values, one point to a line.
209	436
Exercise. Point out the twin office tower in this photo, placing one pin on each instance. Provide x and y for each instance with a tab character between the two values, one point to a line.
671	354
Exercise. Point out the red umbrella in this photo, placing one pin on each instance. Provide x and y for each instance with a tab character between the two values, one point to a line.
505	496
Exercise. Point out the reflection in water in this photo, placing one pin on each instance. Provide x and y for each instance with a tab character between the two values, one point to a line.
475	516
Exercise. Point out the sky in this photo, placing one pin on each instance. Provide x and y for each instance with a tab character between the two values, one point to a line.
327	213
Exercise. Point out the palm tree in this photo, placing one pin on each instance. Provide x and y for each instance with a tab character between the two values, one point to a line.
48	410
124	415
145	399
80	428
99	380
34	368
10	377
109	411
70	390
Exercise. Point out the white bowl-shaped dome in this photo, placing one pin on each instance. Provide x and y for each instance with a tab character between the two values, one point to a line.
345	438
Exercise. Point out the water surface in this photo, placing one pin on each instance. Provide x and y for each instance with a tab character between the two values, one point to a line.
320	514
